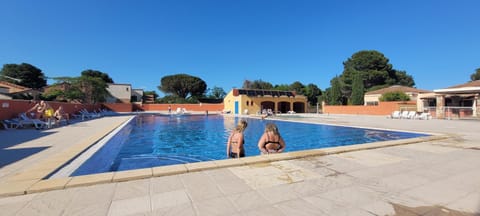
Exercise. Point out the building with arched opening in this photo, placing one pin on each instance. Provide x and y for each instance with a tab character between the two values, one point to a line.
253	101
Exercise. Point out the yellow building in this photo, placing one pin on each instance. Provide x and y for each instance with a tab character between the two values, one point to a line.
253	101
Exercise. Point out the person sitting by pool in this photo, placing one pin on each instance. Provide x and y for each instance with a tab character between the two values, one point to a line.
39	109
60	115
236	141
271	141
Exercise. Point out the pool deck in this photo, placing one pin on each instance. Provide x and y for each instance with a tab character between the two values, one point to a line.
422	176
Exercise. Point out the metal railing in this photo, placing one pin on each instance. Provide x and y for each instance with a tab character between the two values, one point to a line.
451	112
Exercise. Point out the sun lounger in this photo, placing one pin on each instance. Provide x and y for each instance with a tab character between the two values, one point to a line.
11	124
404	115
181	111
424	116
25	120
411	114
395	114
84	113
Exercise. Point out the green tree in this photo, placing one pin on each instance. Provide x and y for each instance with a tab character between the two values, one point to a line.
23	74
298	87
182	85
374	69
216	93
94	73
476	75
394	96
402	78
282	87
335	93
358	90
313	93
85	89
257	84
94	88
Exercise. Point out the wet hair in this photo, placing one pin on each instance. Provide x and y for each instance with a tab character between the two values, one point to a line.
270	127
242	124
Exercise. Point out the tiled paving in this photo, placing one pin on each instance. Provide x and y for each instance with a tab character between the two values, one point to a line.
433	177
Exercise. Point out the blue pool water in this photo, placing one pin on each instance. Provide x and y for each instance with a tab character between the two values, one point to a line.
157	140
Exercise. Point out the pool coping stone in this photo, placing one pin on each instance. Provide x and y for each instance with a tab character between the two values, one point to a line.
35	185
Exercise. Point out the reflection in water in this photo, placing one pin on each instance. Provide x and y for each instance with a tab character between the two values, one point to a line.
157	140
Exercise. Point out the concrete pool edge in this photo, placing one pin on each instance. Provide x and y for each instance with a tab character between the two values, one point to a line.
32	179
29	186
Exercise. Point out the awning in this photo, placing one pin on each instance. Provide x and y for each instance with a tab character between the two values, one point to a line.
428	97
460	95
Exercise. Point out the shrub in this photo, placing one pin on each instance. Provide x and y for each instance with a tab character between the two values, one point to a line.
394	96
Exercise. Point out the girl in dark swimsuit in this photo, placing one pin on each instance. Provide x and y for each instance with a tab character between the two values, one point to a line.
235	141
271	141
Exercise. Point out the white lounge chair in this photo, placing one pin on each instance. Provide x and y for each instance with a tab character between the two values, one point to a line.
395	114
181	111
424	116
411	115
404	114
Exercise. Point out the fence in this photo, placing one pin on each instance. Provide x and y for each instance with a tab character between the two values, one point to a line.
452	112
383	108
11	108
458	112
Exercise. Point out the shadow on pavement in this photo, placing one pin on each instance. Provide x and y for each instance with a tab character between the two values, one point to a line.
8	156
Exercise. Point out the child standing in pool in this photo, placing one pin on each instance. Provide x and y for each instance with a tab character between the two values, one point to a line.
271	141
236	141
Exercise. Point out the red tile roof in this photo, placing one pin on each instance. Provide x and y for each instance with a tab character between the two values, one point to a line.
397	88
475	83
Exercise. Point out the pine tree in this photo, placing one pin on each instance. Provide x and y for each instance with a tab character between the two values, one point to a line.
358	90
336	92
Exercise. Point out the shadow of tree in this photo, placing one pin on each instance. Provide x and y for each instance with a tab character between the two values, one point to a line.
14	137
401	210
8	156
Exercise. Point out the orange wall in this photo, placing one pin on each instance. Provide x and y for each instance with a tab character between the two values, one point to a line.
11	108
118	107
383	108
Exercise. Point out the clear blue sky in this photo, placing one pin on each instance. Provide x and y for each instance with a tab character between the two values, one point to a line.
225	42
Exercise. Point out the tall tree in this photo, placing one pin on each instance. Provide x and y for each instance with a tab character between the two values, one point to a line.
402	78
182	85
476	75
374	69
95	73
94	88
313	93
335	93
23	74
358	90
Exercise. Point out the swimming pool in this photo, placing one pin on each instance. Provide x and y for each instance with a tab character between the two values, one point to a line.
158	140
